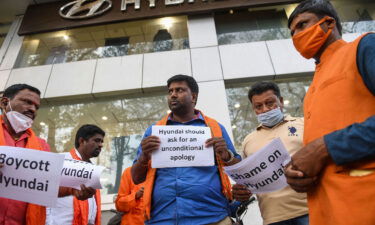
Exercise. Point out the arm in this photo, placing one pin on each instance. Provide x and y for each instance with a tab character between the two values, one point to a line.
140	166
222	146
128	196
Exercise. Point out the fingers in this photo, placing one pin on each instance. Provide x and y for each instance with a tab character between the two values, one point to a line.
302	184
150	144
293	173
84	193
240	192
218	143
1	166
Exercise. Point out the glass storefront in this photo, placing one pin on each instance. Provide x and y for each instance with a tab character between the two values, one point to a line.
271	23
4	28
137	37
244	120
124	119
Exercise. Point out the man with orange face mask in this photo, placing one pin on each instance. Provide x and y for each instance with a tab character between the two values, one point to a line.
337	165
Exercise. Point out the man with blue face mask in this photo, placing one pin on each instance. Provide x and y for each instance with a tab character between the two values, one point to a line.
283	207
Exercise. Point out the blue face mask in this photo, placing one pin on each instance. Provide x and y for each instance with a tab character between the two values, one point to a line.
271	118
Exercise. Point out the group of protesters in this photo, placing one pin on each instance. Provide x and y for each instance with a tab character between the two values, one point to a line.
331	174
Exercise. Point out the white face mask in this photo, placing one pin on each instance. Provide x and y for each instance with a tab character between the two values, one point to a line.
18	121
271	118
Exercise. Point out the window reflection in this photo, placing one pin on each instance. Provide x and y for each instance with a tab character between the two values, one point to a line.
123	119
244	120
110	40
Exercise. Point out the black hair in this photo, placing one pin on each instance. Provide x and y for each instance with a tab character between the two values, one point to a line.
86	132
321	8
192	84
261	87
13	90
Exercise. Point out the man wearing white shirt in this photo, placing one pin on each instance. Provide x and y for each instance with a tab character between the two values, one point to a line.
69	210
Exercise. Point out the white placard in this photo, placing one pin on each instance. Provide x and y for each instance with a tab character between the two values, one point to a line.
76	172
30	175
182	146
264	170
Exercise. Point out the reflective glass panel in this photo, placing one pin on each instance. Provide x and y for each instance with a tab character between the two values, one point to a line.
137	37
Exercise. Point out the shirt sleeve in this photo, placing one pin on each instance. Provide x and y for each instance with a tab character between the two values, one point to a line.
125	200
147	133
366	61
353	143
229	142
357	141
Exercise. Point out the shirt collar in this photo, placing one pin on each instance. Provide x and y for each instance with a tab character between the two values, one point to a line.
197	116
287	118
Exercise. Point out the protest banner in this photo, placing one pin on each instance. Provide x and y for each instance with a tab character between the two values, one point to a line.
264	170
76	172
30	175
182	146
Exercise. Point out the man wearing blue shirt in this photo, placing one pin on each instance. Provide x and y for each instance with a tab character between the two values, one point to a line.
186	195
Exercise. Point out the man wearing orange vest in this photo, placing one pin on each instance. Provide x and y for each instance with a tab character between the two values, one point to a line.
129	200
69	210
186	195
337	165
19	105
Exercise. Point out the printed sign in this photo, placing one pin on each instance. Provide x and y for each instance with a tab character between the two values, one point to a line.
76	172
30	175
182	146
264	170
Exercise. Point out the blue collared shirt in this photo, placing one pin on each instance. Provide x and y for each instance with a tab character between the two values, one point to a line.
188	195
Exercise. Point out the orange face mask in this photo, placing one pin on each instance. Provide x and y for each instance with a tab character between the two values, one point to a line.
309	41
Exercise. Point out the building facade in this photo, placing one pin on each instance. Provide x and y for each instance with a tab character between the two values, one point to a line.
113	73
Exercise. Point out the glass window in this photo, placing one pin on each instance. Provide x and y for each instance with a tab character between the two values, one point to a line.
244	120
253	24
357	16
4	28
137	37
123	119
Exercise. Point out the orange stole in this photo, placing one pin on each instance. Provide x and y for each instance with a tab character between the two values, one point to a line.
81	208
336	99
150	178
35	214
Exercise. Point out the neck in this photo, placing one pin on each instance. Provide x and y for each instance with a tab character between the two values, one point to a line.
330	40
83	155
185	116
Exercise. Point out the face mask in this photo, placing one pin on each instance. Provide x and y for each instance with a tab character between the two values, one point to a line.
18	121
309	41
271	118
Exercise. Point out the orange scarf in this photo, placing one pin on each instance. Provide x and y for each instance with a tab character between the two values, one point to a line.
81	208
35	214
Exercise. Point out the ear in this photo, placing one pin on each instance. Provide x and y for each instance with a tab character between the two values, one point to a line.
195	97
81	141
331	23
4	102
281	102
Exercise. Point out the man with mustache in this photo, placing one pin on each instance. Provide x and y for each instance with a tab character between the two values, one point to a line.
19	105
186	195
69	210
336	167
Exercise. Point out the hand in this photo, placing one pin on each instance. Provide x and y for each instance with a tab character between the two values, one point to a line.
240	192
220	147
311	159
84	193
298	181
139	193
149	144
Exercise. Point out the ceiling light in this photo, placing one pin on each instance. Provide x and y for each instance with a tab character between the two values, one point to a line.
231	11
286	102
167	22
42	124
237	105
66	37
104	118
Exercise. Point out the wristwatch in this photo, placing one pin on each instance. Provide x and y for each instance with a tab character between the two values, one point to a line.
231	156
